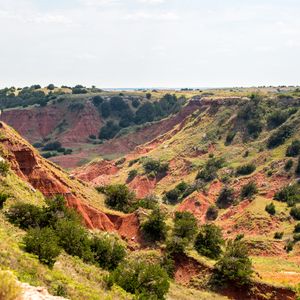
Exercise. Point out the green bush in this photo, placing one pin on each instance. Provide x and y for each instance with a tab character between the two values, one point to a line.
185	225
288	165
277	118
279	137
271	209
155	167
73	238
212	213
225	198
235	265
119	197
109	131
209	241
43	243
249	190
296	237
55	146
108	251
181	191
3	198
9	288
155	228
149	202
289	194
278	235
25	215
209	171
4	167
295	212
131	175
297	228
229	138
245	169
144	280
289	246
294	149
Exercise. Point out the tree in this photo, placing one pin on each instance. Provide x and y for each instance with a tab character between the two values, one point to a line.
155	228
225	198
148	96
295	212
97	100
145	280
277	118
3	198
235	265
294	149
271	209
51	87
109	131
131	175
4	168
209	241
25	215
43	243
73	238
249	190
105	109
279	137
245	169
108	251
212	213
185	225
119	197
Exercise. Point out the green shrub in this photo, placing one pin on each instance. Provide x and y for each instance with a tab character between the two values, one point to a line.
294	149
278	235
131	175
4	167
289	194
277	118
25	215
212	213
235	265
149	202
225	198
181	191
209	171
144	280
185	225
279	137
119	197
97	100
229	138
9	288
249	190
289	246
297	228
3	198
296	237
108	251
155	228
209	241
109	131
288	165
271	209
73	238
295	212
55	146
155	167
43	243
245	169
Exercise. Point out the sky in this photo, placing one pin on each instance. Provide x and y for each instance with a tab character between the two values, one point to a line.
150	43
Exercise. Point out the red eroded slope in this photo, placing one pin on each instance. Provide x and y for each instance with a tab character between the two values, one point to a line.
51	180
66	125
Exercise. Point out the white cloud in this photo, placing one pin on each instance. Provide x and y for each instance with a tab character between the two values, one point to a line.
159	16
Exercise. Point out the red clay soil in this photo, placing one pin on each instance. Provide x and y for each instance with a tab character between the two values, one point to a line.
51	181
186	268
142	186
197	205
43	121
97	173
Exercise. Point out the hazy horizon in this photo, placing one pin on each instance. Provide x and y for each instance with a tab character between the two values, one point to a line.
150	43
